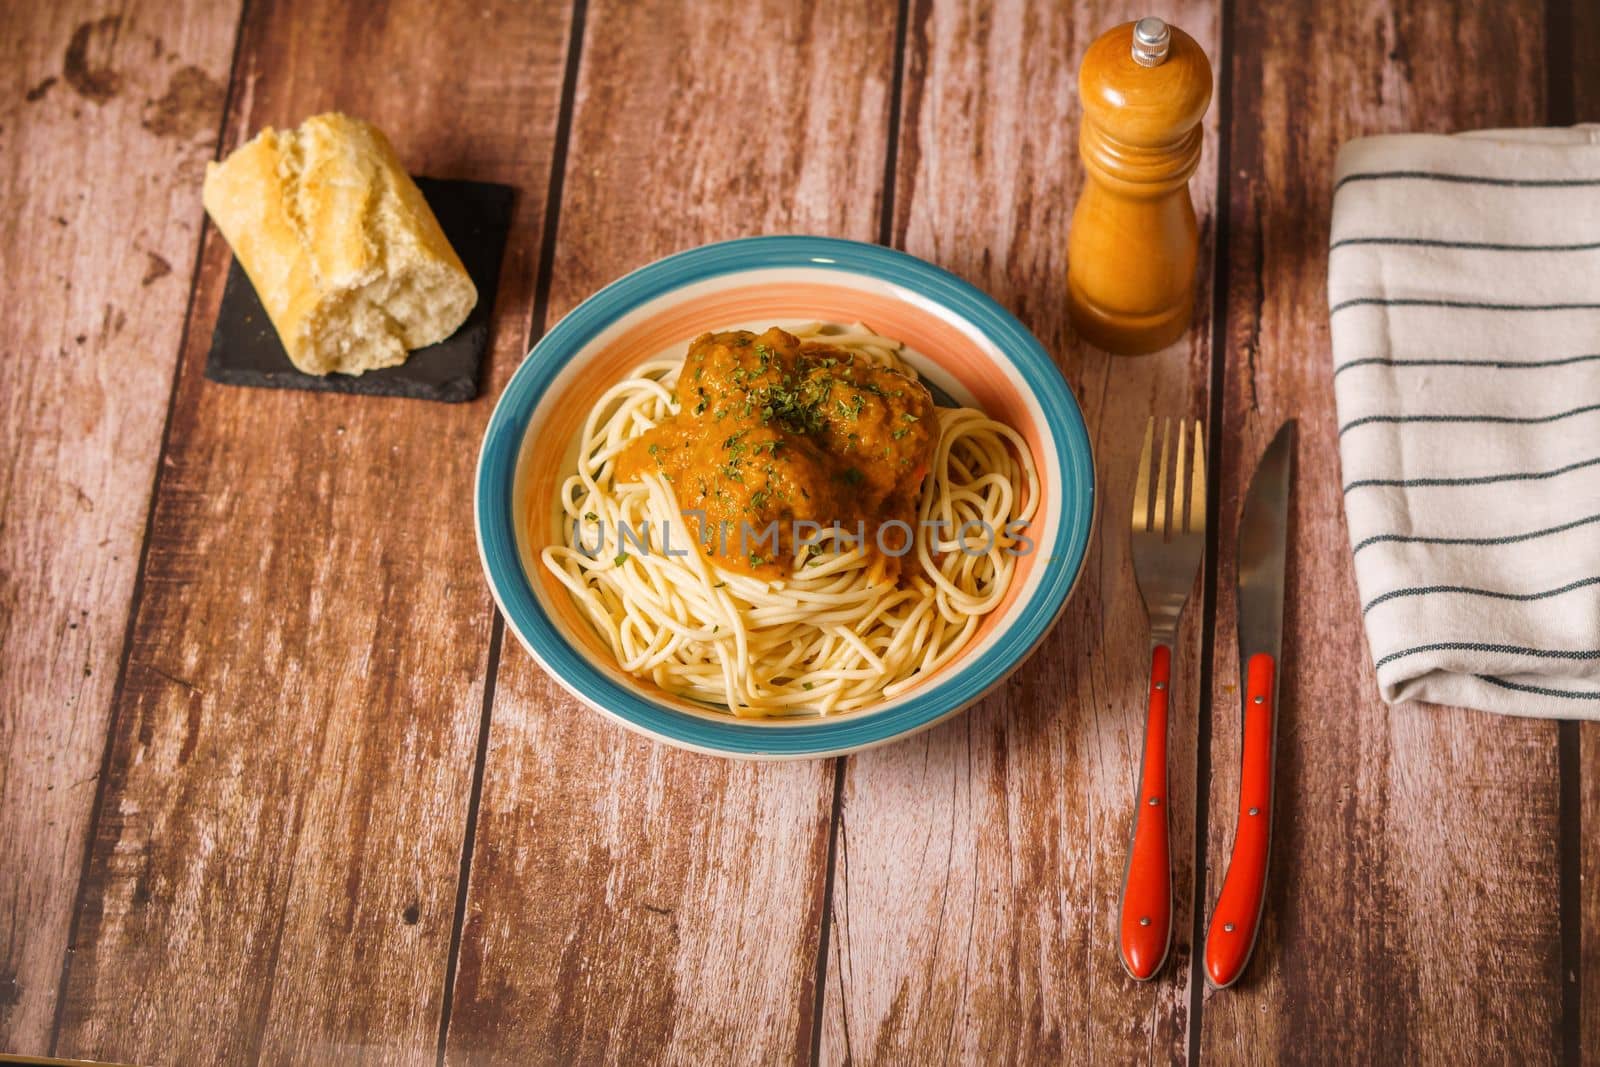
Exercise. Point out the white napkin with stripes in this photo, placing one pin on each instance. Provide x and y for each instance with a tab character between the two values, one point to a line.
1464	299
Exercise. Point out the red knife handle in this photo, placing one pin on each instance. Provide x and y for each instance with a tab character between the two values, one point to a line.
1237	917
1145	921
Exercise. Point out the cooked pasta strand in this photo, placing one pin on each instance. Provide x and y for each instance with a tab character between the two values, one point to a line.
834	636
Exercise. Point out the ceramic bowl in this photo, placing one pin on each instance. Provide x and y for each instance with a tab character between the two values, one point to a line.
960	340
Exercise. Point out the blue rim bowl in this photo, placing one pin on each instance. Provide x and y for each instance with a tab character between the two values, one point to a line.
726	735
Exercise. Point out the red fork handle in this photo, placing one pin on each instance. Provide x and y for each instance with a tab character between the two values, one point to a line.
1145	920
1237	917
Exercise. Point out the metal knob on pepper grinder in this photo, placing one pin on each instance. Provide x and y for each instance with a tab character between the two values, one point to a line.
1131	253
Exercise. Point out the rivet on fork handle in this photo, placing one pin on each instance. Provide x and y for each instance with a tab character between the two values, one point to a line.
1147	885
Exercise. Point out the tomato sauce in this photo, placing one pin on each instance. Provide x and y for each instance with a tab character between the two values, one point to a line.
771	430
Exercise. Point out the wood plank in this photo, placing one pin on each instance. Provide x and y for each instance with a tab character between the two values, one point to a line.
105	122
1582	96
1588	918
1588	933
1412	912
1584	67
630	902
980	864
275	867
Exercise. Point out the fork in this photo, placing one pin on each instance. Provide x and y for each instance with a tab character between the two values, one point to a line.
1167	547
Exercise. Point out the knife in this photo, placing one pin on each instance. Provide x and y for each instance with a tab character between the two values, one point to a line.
1263	535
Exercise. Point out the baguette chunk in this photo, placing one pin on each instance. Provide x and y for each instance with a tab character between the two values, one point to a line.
342	249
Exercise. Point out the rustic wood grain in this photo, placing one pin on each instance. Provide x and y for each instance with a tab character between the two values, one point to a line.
1413	910
106	117
1588	919
1580	100
979	865
276	860
631	902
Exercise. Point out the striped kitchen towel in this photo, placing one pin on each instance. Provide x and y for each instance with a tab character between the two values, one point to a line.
1464	301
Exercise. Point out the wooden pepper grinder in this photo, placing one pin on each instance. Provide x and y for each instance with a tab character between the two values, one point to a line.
1132	250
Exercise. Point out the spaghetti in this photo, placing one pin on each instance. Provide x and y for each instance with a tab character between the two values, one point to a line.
842	619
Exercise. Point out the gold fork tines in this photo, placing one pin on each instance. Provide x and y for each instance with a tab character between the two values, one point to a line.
1159	523
1141	489
1197	487
1183	509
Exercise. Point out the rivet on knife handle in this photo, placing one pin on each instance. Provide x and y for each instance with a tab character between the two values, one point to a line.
1145	923
1236	920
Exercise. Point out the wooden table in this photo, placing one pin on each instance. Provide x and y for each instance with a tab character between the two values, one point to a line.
274	785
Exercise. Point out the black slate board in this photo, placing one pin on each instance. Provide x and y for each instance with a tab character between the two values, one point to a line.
476	217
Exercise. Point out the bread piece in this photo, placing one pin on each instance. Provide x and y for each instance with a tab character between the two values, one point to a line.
340	245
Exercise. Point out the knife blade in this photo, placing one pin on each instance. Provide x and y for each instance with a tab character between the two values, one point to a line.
1263	556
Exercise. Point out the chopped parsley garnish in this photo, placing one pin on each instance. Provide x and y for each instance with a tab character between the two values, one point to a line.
795	408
